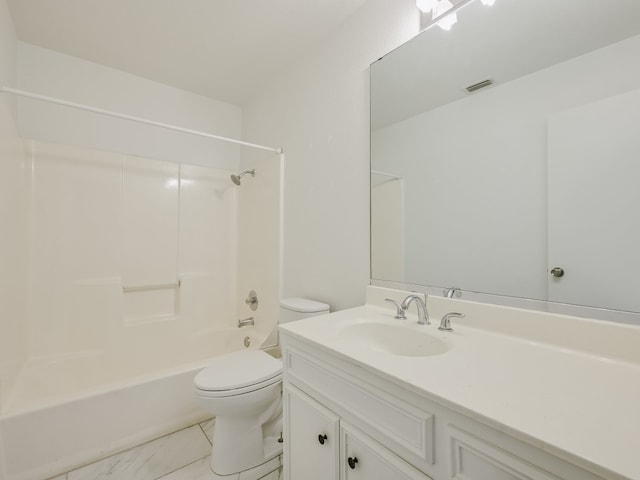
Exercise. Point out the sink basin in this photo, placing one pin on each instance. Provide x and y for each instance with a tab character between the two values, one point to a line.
393	340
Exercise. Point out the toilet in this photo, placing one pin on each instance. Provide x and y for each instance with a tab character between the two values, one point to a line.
243	390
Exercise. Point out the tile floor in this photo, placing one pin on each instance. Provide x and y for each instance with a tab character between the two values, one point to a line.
182	455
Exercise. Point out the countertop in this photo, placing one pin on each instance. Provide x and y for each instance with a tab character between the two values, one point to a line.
556	397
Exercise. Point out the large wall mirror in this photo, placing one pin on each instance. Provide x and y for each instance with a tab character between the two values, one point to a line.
528	187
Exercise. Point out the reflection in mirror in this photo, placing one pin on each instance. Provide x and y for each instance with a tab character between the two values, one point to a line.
493	190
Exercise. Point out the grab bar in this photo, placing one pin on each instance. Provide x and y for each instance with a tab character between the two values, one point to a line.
142	288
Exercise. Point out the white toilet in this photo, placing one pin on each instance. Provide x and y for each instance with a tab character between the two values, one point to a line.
244	392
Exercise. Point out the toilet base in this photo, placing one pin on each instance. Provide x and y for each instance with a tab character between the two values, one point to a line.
254	473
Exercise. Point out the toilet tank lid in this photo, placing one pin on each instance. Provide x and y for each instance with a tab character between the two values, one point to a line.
303	305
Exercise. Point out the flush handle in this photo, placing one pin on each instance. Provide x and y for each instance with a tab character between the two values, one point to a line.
557	272
322	439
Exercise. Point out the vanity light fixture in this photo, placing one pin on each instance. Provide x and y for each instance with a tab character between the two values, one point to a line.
439	9
426	6
448	21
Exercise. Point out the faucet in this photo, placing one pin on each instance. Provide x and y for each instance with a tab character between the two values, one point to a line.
245	322
423	316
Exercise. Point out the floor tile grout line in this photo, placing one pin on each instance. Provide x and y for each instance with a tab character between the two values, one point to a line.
66	474
205	433
183	467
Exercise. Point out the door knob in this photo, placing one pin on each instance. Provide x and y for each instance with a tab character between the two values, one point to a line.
557	272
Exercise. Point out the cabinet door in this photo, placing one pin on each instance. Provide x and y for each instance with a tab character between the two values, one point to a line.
311	438
362	458
474	458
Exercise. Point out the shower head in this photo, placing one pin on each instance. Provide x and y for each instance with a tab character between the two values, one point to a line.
236	178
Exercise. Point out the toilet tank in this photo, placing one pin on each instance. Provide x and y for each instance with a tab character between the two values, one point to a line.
298	308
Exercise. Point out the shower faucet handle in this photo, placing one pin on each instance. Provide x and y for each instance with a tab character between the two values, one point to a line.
252	300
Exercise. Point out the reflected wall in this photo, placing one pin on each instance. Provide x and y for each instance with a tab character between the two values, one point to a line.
475	169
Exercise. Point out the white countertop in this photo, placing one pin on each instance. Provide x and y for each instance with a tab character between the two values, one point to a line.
563	400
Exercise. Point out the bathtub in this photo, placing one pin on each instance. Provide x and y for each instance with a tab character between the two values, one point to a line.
61	415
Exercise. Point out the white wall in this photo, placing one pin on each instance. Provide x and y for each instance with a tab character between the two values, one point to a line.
478	207
12	220
318	111
50	73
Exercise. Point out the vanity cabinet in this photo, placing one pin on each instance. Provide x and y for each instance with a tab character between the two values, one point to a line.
321	446
345	421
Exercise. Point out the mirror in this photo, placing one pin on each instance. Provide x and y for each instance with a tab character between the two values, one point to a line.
524	188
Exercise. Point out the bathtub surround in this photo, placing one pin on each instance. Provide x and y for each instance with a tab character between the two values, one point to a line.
13	237
122	250
106	229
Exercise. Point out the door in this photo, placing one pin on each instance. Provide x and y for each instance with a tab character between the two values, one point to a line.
364	459
311	438
594	193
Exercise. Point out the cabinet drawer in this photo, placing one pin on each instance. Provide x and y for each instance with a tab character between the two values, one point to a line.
379	414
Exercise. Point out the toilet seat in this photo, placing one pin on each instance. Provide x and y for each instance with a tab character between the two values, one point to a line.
237	373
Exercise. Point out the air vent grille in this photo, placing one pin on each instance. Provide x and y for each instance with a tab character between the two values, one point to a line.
479	85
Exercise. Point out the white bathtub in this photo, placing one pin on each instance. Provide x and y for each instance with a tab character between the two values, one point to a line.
61	415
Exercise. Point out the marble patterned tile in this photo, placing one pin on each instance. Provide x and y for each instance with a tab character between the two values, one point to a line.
151	460
207	428
200	471
196	471
277	475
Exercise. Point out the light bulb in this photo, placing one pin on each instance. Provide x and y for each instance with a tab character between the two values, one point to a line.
448	21
426	6
488	3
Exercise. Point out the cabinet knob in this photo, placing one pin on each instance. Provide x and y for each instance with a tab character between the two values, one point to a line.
352	462
321	439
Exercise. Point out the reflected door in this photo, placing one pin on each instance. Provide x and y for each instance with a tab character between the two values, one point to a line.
594	200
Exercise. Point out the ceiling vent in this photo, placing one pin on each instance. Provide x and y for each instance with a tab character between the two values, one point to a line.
479	85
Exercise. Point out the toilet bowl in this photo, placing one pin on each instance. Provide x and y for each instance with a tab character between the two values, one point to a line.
243	390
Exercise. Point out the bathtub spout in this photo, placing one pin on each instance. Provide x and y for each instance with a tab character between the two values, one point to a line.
246	322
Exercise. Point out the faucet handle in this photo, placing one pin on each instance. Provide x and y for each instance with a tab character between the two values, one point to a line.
445	323
400	314
452	292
